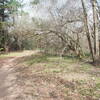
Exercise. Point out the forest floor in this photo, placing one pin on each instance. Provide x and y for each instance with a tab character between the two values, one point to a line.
30	75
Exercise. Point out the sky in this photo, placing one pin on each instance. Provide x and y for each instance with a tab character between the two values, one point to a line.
27	5
43	12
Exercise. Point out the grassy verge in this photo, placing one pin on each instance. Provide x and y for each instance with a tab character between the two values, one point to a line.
71	78
17	54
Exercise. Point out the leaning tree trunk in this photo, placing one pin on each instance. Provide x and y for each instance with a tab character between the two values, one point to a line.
87	30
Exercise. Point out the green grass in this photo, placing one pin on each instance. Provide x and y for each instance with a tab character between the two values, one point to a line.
12	54
42	58
17	54
65	64
36	59
86	83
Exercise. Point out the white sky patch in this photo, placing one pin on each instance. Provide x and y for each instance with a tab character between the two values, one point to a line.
41	11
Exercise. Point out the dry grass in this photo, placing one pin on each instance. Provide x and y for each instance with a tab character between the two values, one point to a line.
43	77
18	54
53	78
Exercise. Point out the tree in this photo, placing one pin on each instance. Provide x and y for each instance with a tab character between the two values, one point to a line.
96	28
7	7
87	30
3	16
60	24
94	49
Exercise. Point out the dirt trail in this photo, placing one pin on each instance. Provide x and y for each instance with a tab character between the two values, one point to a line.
9	88
7	79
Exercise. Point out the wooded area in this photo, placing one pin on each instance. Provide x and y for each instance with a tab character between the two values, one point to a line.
49	49
69	29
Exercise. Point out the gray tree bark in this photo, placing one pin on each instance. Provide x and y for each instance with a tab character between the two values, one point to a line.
96	29
87	30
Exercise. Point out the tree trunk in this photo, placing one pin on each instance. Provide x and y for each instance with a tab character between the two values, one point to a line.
87	30
96	31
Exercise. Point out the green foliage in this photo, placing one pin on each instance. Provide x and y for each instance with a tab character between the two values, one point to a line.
12	8
14	5
35	2
37	59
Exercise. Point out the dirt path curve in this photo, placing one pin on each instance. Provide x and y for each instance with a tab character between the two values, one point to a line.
9	88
